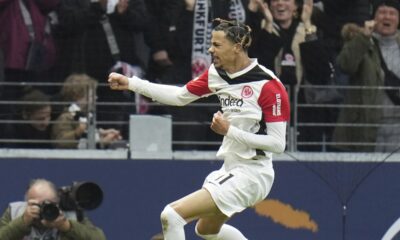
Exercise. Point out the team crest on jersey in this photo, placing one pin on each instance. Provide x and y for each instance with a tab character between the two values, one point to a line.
247	92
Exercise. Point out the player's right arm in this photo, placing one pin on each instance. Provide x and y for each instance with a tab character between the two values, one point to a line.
165	94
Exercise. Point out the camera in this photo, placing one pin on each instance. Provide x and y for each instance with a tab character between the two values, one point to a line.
77	197
49	211
80	196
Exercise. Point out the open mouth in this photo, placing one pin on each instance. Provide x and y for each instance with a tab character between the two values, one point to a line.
280	11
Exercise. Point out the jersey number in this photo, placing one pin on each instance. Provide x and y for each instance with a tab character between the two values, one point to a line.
222	180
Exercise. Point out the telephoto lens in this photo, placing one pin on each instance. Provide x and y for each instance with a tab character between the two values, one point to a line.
49	211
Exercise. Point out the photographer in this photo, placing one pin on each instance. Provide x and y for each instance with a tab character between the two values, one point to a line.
25	220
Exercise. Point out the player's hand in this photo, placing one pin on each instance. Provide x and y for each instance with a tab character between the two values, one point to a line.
118	81
32	211
220	124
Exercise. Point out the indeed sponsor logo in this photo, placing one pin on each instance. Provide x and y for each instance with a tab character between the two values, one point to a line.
230	101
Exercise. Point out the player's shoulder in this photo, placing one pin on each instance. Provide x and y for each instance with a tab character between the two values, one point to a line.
258	73
267	71
274	86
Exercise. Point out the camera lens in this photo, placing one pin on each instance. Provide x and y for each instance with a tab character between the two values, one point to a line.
49	211
89	195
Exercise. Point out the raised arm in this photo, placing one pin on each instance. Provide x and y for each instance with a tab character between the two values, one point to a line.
165	94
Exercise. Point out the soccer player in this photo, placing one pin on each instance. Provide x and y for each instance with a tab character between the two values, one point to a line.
250	95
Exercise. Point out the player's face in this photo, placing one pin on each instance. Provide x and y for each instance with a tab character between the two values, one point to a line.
387	20
222	50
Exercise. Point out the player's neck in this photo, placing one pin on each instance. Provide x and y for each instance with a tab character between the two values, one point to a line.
239	64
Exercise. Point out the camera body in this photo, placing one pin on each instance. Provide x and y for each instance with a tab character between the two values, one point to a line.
49	211
77	197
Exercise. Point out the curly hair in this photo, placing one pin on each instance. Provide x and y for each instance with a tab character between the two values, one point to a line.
76	86
235	31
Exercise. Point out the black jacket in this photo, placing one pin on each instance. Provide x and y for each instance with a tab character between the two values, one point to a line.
82	40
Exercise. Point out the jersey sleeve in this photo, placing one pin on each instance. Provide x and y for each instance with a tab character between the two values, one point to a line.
162	93
274	141
274	102
199	85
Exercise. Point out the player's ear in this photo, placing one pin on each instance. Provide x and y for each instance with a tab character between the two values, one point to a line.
237	47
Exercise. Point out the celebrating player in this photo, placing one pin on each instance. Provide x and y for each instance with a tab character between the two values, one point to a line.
250	95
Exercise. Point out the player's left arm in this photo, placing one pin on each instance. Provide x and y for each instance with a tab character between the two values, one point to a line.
274	141
274	103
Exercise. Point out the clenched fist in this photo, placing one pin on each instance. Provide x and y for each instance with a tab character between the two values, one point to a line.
118	81
220	124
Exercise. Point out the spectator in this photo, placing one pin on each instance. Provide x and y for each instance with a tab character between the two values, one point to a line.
96	37
286	40
370	55
344	11
22	220
83	38
37	108
71	126
26	40
162	38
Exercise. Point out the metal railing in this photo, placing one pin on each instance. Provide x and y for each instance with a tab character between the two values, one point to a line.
193	129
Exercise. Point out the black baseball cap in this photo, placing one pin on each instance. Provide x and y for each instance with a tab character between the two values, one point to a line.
390	3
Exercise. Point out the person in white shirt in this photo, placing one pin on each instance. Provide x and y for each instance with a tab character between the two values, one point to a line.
251	96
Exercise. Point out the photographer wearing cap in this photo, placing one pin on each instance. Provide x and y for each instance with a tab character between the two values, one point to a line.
36	219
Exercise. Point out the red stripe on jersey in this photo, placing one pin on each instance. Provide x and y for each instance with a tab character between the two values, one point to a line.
274	102
199	85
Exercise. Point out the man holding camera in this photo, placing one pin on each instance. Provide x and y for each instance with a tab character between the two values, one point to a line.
27	220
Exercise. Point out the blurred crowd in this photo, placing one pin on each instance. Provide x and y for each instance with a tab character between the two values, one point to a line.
313	46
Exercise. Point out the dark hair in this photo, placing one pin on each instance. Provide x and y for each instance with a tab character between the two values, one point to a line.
235	31
38	100
389	3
